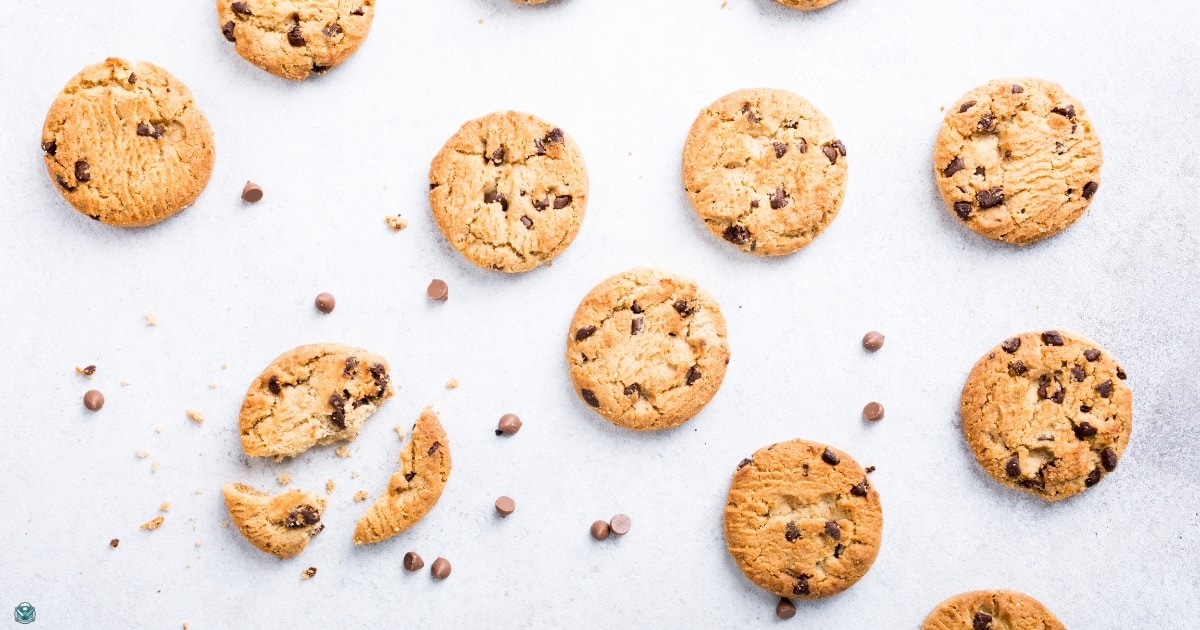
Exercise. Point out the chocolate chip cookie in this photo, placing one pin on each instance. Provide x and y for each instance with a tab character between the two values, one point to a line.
509	191
415	488
311	395
802	520
126	144
280	524
765	170
806	5
1048	413
298	38
991	610
1017	160
647	349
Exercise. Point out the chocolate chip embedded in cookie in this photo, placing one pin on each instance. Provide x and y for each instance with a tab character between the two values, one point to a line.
415	488
312	395
126	144
1048	413
991	610
647	349
806	5
295	39
765	170
801	519
281	524
1017	160
509	191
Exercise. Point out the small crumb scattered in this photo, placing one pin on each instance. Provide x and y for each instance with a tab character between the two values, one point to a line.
185	626
342	451
354	474
397	222
284	479
723	4
224	366
155	465
224	524
870	469
481	20
153	523
199	542
196	416
126	382
158	428
360	496
329	486
212	385
308	573
165	506
399	431
143	453
114	542
151	318
452	383
87	371
199	490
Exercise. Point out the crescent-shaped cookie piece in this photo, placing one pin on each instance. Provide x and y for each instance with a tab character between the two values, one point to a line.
280	524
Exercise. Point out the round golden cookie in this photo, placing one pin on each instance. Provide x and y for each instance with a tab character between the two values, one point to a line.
126	144
647	349
991	610
806	5
1048	413
802	520
296	38
1017	160
765	170
509	191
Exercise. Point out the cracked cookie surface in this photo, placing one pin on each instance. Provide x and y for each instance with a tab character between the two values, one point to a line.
1017	160
647	349
806	5
415	488
295	38
280	524
765	171
802	519
126	144
509	191
1048	413
312	395
991	610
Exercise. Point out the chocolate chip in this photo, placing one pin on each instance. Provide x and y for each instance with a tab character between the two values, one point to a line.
325	302
1017	368
114	542
1012	467
1065	110
831	458
737	234
791	532
980	171
294	37
273	385
332	30
982	620
1089	189
965	106
1108	459
837	144
132	78
802	145
351	365
693	375
745	462
620	524
241	8
1059	148
990	197
1093	478
1078	373
684	308
1091	354
859	489
227	31
1105	389
505	506
509	424
1050	388
555	135
93	400
413	561
409	476
358	11
830	152
541	204
433	448
589	397
636	308
496	197
1085	408
302	515
962	209
832	530
785	609
89	370
801	587
497	156
50	147
750	115
584	333
562	201
873	411
1121	373
339	410
437	290
804	469
987	122
780	149
779	199
380	376
869	469
600	530
954	166
539	147
440	569
1085	430
1052	338
636	325
1010	345
633	390
83	171
1016	89
527	222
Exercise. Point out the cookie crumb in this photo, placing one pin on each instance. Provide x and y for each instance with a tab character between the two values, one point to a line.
354	474
723	4
151	318
870	469
126	382
481	20
195	415
308	573
158	428
199	542
396	222
360	496
212	385
154	466
153	523
143	453
329	486
452	384
283	479
342	451
224	524
87	371
199	490
165	506
114	542
224	366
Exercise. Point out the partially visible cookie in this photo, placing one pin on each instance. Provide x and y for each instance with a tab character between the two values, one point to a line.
1017	160
802	520
126	144
806	5
415	488
991	610
312	395
296	38
280	524
530	1
509	191
765	170
647	349
1048	413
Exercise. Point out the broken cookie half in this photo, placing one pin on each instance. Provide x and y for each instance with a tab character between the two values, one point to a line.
312	395
415	488
280	524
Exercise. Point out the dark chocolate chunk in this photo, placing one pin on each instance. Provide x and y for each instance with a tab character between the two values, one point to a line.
351	365
684	308
792	531
1052	338
636	325
358	11
737	234
1012	467
1121	373
980	171
380	376
332	30
802	146
1085	408
62	181
1078	372
990	197
1017	368
496	197
273	385
789	124
227	31
241	8
830	152
339	410
987	122
541	204
1065	110
497	156
1093	478
693	375
832	530
636	308
1010	345
633	390
954	166
750	115
859	489
294	37
1089	189
1091	354
742	464
83	171
801	587
409	476
302	515
527	222
837	144
1016	89
962	209
1085	430
584	333
1105	388
965	106
780	149
1108	459
1050	388
433	448
831	458
562	201
982	620
50	147
590	397
779	199
539	146
555	135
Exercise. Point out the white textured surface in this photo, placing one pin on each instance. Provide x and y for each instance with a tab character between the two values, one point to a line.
233	284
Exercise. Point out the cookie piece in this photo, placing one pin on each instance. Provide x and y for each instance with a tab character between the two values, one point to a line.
1048	413
281	524
297	38
126	144
509	191
647	349
806	5
765	170
1017	160
312	395
415	488
802	520
530	1
991	610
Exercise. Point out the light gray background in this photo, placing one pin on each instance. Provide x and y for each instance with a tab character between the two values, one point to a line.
233	285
